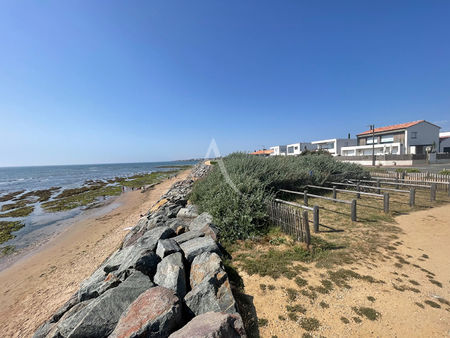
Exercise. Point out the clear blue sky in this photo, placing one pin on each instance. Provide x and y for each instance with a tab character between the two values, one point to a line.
126	81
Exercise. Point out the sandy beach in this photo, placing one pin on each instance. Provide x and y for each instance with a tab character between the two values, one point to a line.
36	286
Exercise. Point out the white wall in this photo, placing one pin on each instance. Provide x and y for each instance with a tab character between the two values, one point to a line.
300	147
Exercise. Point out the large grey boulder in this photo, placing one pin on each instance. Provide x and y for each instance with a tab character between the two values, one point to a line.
97	288
155	313
166	247
204	223
140	255
212	294
213	325
175	223
190	212
136	232
150	239
205	264
100	315
44	329
187	236
171	274
200	221
171	210
196	246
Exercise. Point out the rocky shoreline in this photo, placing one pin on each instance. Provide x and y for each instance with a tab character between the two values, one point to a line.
167	279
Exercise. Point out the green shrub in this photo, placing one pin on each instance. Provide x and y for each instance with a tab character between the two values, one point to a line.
407	170
243	214
445	172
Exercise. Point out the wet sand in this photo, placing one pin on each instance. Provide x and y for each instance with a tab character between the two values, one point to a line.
37	285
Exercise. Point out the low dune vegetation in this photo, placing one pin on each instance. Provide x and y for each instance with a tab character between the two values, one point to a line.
242	213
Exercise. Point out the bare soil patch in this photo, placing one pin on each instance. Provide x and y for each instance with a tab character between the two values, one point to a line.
385	275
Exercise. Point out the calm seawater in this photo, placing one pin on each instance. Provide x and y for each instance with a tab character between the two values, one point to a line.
40	225
70	176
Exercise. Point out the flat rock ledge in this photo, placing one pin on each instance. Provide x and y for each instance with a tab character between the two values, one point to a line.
167	279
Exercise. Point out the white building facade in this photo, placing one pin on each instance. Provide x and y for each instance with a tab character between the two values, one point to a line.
278	151
334	145
407	138
297	148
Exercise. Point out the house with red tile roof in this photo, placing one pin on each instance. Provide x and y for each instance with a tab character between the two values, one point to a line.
263	152
405	138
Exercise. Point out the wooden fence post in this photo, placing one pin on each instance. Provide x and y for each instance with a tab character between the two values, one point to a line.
306	225
335	192
305	197
358	189
412	197
386	202
316	218
354	210
433	192
378	185
396	181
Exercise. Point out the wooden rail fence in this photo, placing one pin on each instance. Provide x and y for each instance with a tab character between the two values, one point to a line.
335	190
292	221
306	195
442	181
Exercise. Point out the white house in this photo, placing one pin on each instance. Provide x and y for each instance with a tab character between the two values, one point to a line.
334	145
406	138
444	142
298	148
278	151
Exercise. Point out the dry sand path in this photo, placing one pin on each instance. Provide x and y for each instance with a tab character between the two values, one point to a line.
36	286
425	247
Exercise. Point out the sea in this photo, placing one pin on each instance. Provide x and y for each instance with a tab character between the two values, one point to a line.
40	226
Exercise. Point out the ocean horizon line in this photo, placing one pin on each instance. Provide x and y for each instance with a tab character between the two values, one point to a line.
105	163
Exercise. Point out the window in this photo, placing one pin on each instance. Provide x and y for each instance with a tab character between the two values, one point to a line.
414	134
370	140
387	138
290	150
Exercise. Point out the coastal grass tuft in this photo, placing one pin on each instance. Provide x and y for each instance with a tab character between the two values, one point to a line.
280	262
432	304
367	312
262	322
309	324
296	308
7	228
